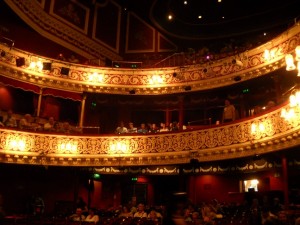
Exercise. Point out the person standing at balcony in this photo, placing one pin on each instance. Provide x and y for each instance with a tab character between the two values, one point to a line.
228	112
141	213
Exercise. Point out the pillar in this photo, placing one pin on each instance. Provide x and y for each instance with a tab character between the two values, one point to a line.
285	181
39	103
181	111
82	110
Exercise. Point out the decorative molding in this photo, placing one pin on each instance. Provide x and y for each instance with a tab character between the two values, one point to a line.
230	141
120	81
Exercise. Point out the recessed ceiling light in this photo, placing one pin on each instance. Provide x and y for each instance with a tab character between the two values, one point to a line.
199	17
185	2
219	0
170	17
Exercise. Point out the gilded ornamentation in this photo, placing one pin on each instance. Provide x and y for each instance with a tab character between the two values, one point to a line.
266	133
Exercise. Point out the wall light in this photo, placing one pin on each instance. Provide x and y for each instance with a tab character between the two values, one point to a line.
16	143
289	60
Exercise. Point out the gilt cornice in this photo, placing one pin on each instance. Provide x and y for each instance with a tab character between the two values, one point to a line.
236	140
63	34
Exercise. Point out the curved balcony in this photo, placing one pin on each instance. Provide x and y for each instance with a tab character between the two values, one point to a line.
81	78
267	133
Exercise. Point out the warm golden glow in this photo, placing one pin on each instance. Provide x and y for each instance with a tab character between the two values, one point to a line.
119	147
38	65
16	143
289	60
295	99
297	51
156	79
95	77
67	146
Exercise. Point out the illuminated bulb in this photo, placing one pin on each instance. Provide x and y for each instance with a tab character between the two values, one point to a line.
267	55
297	50
289	60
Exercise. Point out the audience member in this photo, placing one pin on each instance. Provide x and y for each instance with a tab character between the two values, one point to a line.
77	216
121	129
80	203
125	212
153	128
132	129
228	112
163	127
10	120
92	217
140	211
49	126
26	123
143	129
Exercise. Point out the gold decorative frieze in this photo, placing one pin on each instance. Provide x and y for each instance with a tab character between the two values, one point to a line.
156	81
266	133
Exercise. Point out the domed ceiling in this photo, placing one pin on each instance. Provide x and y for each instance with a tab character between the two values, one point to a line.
201	21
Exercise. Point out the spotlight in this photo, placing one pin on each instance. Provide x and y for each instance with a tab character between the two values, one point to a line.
237	62
205	70
188	88
3	53
174	74
47	66
64	71
132	92
20	62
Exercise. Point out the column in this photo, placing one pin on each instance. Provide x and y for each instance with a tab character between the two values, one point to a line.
82	110
285	181
181	112
168	116
39	103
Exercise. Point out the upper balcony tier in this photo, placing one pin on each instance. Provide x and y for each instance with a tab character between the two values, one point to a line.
50	73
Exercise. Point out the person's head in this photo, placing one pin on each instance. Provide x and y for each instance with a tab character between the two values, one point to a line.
143	126
51	120
78	211
130	125
227	102
27	117
141	207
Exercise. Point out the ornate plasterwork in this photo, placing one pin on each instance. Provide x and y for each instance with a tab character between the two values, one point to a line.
260	135
121	81
59	32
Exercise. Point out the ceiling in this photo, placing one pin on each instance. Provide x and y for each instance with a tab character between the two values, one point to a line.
226	20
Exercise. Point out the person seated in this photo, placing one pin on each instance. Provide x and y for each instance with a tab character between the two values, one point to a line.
132	129
10	120
121	129
155	216
26	123
163	127
153	129
143	129
77	216
126	212
92	217
141	213
49	126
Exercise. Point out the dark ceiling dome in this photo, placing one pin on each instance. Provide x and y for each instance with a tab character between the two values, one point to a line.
223	19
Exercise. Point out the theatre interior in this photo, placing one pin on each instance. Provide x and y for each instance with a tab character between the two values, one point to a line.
93	67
